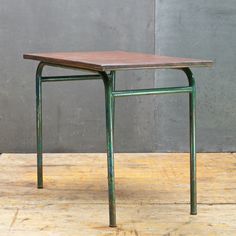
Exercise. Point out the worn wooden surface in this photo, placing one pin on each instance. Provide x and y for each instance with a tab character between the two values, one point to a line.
152	195
115	60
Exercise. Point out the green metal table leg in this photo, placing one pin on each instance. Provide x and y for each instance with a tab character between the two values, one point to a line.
192	108
39	125
113	77
192	111
109	101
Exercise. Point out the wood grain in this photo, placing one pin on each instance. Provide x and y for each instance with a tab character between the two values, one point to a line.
152	195
115	60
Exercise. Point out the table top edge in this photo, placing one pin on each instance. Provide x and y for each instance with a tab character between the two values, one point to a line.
103	67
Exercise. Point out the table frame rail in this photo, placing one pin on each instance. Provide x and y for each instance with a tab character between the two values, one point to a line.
111	93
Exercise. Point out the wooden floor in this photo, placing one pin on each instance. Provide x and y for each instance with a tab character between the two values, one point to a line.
152	195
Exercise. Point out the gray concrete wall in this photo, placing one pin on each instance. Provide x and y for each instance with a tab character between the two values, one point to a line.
74	111
199	29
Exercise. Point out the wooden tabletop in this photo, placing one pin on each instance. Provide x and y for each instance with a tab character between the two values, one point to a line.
115	60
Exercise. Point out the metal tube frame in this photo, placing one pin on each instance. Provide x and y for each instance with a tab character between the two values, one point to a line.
110	95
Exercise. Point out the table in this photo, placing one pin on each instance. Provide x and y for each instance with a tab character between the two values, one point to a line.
104	66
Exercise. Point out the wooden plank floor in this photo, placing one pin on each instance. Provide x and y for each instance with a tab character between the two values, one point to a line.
152	195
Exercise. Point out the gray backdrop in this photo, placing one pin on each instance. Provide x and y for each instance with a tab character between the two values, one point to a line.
74	111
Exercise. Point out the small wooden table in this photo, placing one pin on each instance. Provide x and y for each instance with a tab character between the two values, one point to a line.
104	65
